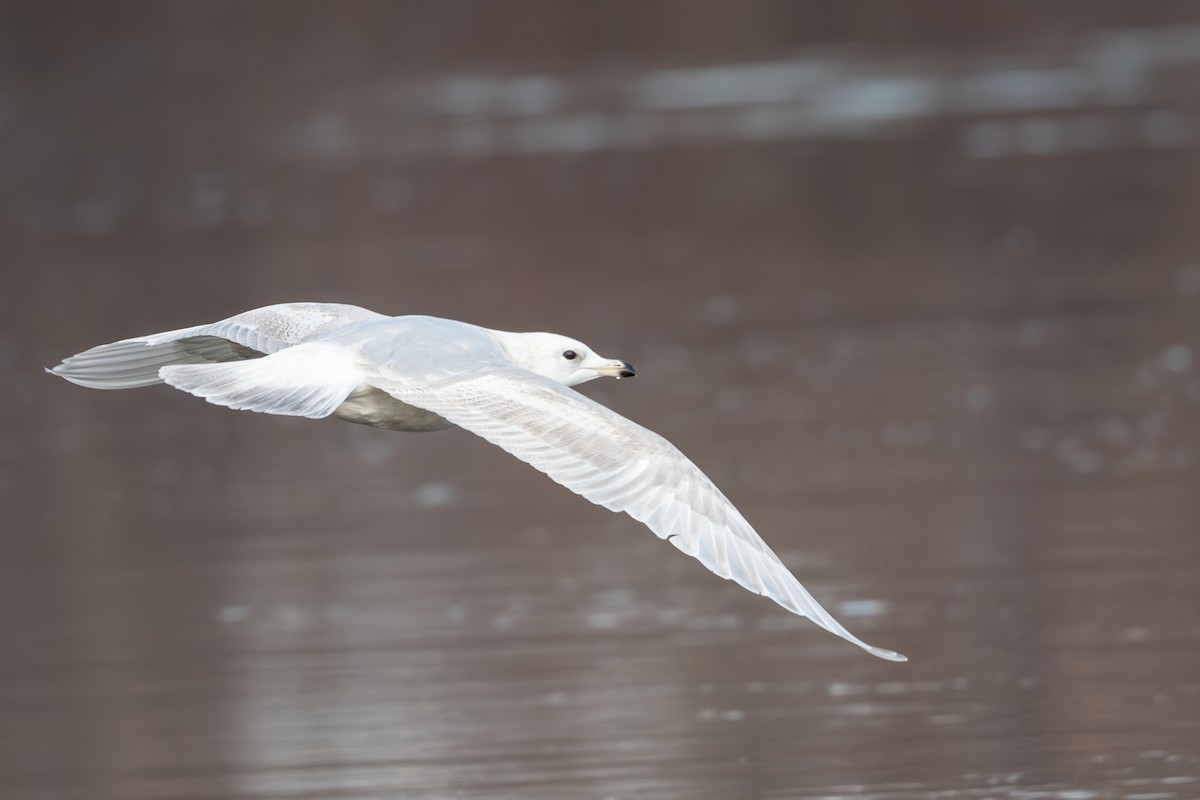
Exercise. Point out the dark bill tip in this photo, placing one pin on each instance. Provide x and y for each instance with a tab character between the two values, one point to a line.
627	371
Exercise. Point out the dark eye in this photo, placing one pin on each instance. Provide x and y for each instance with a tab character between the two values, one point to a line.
570	355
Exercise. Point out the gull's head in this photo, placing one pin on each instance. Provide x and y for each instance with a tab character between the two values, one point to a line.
562	359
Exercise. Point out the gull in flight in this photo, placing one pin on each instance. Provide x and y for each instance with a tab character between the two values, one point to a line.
417	373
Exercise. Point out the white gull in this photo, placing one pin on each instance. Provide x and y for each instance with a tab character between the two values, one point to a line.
417	373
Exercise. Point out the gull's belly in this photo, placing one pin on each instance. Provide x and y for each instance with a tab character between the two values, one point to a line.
367	405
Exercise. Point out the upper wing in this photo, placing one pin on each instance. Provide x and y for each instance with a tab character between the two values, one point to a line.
618	464
136	362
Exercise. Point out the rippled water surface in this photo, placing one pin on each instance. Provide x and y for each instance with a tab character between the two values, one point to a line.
943	354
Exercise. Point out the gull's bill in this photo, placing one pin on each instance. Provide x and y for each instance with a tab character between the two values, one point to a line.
416	373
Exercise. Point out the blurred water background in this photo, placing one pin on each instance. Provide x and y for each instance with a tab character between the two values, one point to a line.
916	283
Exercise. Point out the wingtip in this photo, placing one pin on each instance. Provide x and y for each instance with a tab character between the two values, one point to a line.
889	655
59	372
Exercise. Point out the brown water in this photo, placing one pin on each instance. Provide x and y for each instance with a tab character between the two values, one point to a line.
944	358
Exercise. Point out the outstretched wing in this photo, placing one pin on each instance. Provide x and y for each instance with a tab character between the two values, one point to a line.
618	464
136	362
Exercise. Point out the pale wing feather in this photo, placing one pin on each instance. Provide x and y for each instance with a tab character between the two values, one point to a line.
136	362
132	363
620	465
307	380
272	328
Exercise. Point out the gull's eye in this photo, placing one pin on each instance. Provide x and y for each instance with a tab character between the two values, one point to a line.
570	355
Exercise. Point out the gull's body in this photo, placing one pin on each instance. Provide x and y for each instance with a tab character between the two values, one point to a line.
417	373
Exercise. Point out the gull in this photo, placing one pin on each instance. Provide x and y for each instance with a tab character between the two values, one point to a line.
420	373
